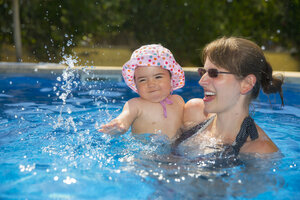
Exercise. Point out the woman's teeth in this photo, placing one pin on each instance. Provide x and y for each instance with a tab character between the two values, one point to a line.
209	93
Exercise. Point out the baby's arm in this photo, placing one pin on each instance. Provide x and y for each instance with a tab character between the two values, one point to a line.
193	113
121	124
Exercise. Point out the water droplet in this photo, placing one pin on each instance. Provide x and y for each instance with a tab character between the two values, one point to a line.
69	43
69	180
69	110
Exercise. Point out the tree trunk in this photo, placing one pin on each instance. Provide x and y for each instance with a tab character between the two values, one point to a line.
17	30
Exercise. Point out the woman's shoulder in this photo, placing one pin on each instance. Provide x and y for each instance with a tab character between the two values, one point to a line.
263	144
195	103
194	107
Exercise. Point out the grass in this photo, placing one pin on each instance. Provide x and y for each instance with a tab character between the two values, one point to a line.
282	61
118	56
102	56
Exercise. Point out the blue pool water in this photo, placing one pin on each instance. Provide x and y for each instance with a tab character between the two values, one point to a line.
50	147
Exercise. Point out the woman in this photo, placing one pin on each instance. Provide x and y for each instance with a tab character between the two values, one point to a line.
234	71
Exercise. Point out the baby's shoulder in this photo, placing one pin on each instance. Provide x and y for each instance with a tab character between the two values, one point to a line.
134	101
139	102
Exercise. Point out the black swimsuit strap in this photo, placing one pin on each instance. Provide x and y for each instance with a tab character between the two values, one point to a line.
188	133
248	128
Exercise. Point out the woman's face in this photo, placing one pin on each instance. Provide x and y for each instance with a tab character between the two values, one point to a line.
222	93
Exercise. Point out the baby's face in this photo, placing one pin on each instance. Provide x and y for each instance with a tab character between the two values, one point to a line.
153	83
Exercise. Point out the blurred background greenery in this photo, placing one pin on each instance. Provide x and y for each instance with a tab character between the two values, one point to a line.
104	32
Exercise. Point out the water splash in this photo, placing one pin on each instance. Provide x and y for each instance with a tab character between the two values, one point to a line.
68	83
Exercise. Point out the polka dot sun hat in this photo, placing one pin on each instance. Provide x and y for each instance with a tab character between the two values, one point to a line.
153	55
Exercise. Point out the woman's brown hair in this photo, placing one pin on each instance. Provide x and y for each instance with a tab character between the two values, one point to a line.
243	57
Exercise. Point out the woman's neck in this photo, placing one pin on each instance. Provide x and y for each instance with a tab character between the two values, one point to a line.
227	125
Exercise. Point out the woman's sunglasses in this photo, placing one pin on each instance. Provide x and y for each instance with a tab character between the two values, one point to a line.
212	73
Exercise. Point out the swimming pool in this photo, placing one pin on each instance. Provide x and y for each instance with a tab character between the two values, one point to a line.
50	147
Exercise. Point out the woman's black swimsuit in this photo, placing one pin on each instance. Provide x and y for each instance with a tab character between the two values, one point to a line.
247	129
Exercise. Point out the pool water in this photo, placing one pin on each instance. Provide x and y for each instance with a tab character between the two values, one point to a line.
50	147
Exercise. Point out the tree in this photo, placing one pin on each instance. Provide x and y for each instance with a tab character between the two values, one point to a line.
51	28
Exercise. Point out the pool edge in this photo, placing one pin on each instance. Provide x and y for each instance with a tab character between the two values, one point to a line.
14	67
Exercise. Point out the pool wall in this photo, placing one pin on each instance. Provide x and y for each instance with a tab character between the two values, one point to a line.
100	72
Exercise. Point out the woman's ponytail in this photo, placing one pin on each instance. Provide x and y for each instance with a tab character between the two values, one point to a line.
271	83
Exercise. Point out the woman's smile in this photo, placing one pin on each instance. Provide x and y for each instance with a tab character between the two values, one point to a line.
209	96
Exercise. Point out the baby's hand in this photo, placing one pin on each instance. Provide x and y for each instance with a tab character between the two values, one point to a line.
113	127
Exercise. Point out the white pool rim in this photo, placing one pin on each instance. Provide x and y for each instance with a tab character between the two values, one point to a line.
15	67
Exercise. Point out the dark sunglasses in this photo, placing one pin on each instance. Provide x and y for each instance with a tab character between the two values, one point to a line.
212	73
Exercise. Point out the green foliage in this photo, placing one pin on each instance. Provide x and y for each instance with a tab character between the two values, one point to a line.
182	26
51	28
291	24
6	34
258	20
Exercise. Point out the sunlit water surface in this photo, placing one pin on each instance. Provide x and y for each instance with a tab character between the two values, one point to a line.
50	147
